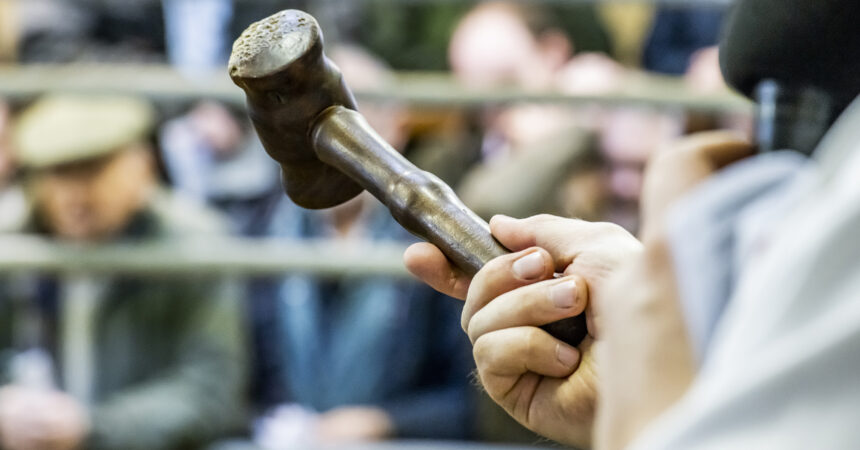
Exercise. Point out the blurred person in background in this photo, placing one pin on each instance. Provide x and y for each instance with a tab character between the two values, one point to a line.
212	156
191	35
629	138
11	196
415	36
115	362
9	31
361	359
677	35
408	35
7	166
210	153
358	359
53	31
197	35
502	44
682	42
703	74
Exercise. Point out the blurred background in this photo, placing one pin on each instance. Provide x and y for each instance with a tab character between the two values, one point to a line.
157	288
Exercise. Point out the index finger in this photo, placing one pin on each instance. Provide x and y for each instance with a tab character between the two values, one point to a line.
429	264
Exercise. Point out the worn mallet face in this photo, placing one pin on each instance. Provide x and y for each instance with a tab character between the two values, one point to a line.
279	63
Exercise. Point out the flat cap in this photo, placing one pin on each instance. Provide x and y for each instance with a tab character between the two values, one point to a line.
61	129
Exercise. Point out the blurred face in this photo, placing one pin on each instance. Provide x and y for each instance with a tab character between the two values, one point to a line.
493	45
362	70
490	46
630	137
94	200
215	124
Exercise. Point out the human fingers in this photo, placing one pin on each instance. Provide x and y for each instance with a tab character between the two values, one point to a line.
533	305
18	435
563	238
67	425
504	274
720	147
354	424
503	355
429	264
684	164
691	158
542	230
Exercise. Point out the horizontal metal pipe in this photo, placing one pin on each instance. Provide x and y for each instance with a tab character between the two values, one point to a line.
208	256
421	89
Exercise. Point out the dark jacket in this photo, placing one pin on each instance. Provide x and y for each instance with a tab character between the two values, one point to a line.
168	352
372	341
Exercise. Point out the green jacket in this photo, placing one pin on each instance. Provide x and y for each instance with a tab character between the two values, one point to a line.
168	358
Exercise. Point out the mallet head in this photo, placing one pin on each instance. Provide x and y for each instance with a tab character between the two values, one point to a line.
279	63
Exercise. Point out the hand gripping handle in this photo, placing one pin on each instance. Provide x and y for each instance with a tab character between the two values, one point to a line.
418	200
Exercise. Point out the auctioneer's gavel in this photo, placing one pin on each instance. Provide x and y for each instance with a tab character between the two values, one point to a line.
306	119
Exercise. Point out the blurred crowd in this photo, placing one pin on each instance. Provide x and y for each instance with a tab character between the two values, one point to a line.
281	362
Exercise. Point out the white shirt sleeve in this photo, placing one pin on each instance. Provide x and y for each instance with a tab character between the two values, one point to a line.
783	371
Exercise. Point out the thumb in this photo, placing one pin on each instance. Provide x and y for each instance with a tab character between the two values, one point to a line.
559	236
513	233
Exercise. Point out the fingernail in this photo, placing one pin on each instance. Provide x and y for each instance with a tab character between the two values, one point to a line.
529	267
563	295
568	356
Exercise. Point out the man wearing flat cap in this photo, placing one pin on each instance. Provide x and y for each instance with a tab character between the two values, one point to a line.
112	361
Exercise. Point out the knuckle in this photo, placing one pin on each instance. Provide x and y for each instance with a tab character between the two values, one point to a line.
573	221
472	329
464	320
670	156
529	303
475	294
532	341
665	154
477	283
571	227
613	231
540	219
471	295
609	228
495	269
481	352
